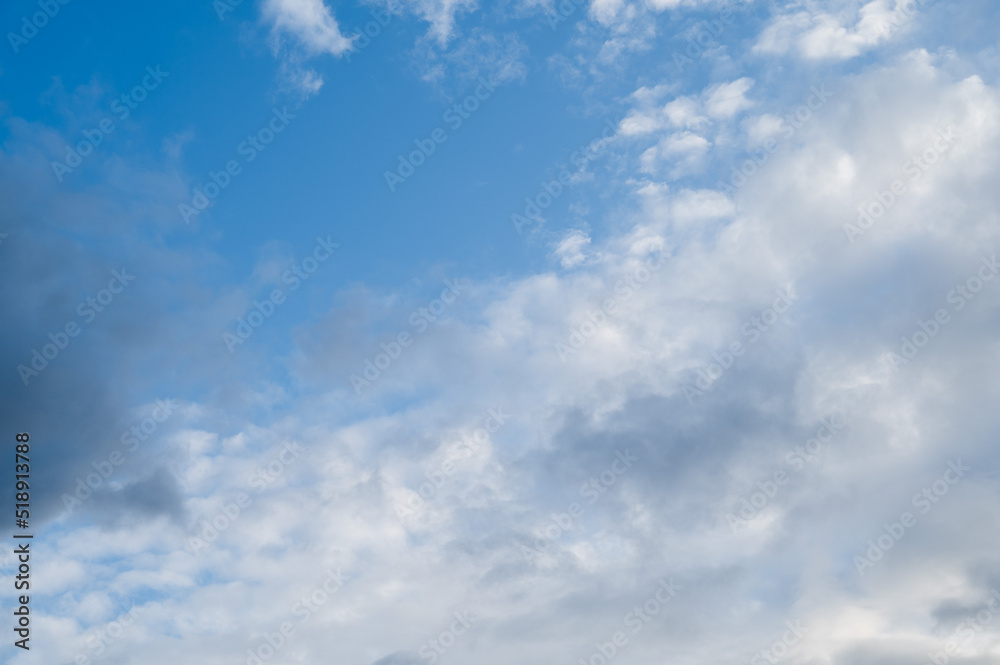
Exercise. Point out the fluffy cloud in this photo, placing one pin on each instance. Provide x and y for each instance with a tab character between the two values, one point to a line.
556	446
301	29
841	34
309	23
570	250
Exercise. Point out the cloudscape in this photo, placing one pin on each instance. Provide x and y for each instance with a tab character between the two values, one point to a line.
447	332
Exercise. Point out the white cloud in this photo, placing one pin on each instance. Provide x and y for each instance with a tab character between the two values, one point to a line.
496	57
442	15
300	30
686	127
309	22
683	112
661	5
605	11
839	34
570	250
682	149
720	102
728	99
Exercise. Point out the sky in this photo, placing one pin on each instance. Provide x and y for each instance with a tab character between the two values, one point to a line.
542	331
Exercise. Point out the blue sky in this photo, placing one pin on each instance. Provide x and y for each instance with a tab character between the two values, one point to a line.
657	348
